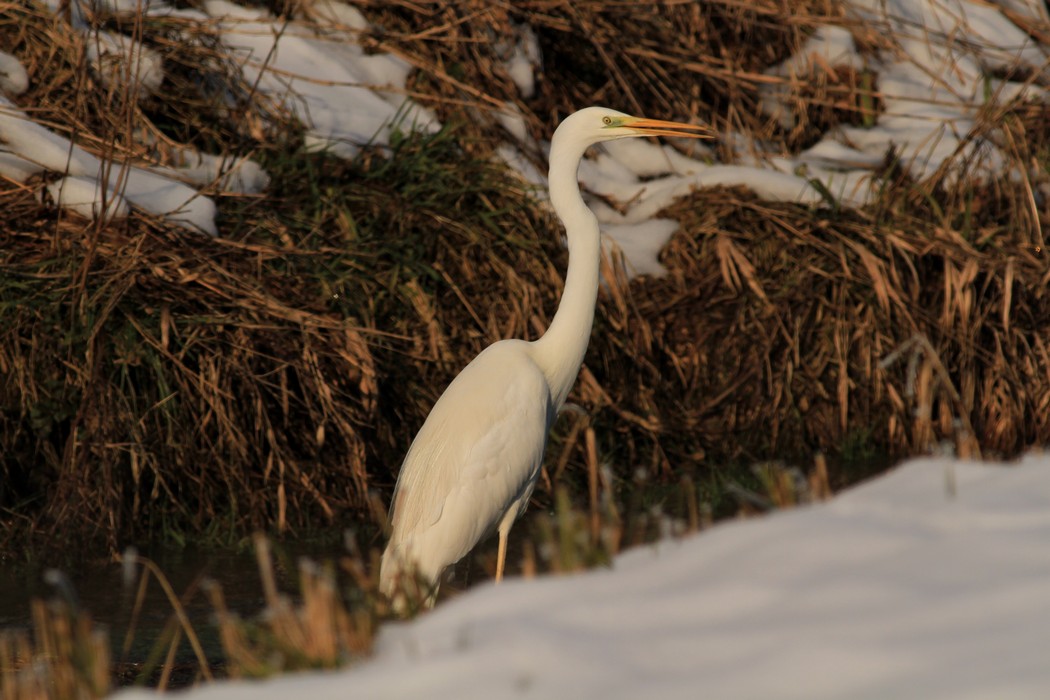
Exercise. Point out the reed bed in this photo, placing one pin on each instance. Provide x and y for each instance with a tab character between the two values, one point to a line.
156	384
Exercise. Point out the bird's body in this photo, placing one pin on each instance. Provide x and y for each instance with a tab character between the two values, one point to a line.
472	466
501	393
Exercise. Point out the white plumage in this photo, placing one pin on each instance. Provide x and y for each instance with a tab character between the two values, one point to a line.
472	467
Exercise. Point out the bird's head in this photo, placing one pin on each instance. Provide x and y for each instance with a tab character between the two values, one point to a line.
595	124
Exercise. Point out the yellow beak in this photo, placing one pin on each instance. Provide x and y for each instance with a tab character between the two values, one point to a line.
657	127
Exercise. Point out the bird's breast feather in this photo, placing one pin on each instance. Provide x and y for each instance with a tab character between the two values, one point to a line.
483	440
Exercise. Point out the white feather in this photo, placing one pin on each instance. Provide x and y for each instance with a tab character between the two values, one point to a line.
474	463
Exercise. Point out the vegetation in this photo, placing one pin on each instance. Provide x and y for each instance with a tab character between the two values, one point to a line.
161	386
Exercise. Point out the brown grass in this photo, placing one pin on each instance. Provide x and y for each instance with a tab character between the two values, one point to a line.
320	632
157	382
66	657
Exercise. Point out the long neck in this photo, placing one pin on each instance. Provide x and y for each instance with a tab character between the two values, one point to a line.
560	350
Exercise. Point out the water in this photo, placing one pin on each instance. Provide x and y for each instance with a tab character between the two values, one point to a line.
100	589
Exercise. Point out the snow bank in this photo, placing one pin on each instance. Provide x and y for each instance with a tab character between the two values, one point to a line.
931	581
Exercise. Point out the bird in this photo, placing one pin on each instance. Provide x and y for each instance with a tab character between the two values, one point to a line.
473	464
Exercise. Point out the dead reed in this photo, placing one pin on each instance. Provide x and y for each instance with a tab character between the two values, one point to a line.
65	658
154	383
321	632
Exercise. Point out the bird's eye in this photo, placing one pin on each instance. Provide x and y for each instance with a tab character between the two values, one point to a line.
607	121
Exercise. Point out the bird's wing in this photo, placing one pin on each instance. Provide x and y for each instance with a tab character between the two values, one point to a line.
479	449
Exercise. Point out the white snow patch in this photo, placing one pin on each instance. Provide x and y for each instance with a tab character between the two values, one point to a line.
521	58
524	168
644	158
125	64
16	168
87	197
767	184
237	175
28	148
513	122
829	46
14	80
639	244
121	62
345	98
339	15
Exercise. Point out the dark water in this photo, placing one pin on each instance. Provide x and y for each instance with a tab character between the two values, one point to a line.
102	590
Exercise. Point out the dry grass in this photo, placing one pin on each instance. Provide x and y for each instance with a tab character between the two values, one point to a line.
774	331
321	632
66	658
156	383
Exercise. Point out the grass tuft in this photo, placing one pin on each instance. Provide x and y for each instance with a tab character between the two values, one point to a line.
157	385
66	658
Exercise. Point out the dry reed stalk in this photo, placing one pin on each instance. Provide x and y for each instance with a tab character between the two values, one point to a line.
179	623
819	485
272	378
592	481
692	506
320	632
66	658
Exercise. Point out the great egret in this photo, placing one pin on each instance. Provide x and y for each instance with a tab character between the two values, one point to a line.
474	463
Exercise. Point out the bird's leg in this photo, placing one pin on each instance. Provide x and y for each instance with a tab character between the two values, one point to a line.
501	555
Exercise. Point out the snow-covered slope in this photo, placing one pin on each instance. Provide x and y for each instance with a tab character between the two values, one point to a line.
932	581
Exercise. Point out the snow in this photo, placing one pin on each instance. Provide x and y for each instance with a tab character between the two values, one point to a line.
121	62
239	175
344	97
521	57
640	244
13	77
124	64
511	119
28	148
87	197
932	86
934	78
829	46
930	581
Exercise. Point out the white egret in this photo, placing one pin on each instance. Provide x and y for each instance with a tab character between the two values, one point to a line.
474	463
